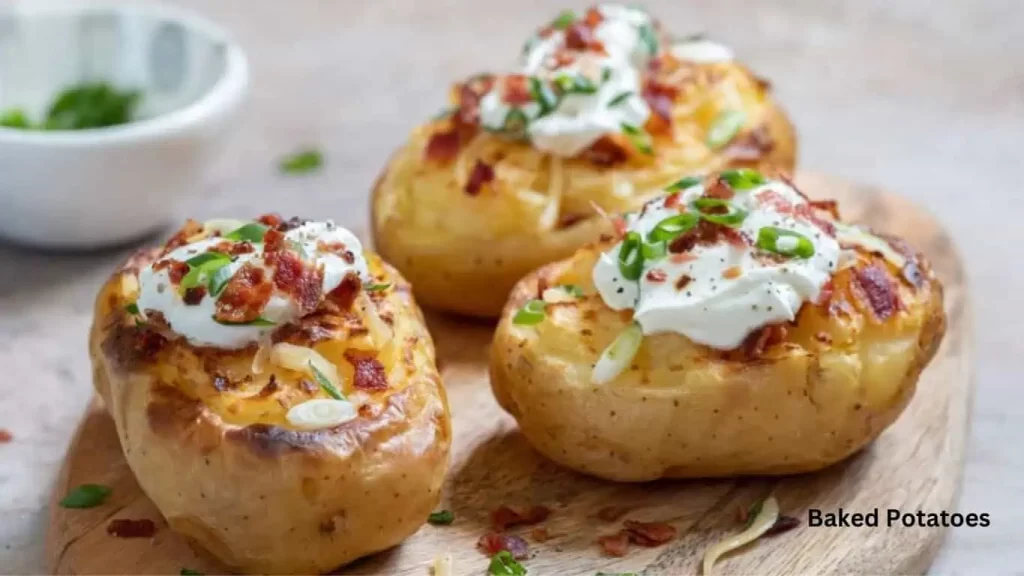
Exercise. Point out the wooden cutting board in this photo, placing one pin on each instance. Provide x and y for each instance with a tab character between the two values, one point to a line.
915	465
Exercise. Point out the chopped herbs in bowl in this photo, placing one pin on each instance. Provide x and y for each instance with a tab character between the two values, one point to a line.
80	107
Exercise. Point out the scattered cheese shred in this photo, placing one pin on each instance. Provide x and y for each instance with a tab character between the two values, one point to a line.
765	519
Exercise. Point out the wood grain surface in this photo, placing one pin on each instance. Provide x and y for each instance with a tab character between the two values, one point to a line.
915	465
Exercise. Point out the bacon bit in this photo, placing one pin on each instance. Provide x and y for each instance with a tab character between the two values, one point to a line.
615	544
271	219
825	294
879	290
443	146
5	436
673	200
681	258
481	174
612	513
805	211
193	296
829	206
579	36
303	283
270	388
605	152
563	58
683	281
775	200
750	146
661	99
719	188
656	275
683	243
782	524
505	517
593	17
345	294
123	528
649	534
493	542
369	372
236	248
244	296
619	225
517	90
180	238
176	269
540	535
757	342
732	272
273	241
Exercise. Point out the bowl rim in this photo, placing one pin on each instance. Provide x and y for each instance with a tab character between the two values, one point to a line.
219	99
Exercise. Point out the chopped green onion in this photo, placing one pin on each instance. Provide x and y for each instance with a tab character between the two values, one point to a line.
649	38
563	20
503	564
374	287
543	95
325	384
302	163
132	309
14	118
531	313
573	290
670	228
251	232
639	138
732	217
618	355
575	84
784	242
529	45
190	572
742	178
298	248
619	99
91	105
85	496
203	265
684	183
725	127
631	257
261	321
515	122
218	280
606	75
206	257
654	250
441	518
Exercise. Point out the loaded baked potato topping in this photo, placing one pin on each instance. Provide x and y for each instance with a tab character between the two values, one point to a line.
285	318
732	326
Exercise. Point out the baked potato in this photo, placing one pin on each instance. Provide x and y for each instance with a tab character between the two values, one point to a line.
275	393
515	174
731	327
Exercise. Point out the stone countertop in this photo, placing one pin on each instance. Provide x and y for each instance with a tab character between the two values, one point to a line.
923	98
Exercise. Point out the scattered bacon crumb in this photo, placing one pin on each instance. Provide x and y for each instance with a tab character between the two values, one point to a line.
273	241
5	436
720	189
345	293
180	238
649	534
579	36
494	542
732	272
505	517
683	281
615	544
244	296
176	269
825	294
757	342
443	146
123	528
517	90
193	296
620	226
673	200
879	290
270	219
782	524
593	17
481	174
293	277
612	513
369	372
540	534
656	275
605	152
829	206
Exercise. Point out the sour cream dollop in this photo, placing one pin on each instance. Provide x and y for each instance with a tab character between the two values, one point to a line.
719	293
581	117
196	322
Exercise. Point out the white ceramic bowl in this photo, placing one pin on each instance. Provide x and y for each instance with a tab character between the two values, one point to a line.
89	188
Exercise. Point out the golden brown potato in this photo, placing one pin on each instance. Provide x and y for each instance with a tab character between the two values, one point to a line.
206	431
465	212
794	397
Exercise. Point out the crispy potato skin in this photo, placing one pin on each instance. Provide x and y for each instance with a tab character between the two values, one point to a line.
228	472
683	410
463	253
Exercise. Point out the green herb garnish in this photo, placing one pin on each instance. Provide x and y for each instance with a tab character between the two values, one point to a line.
515	123
568	84
298	248
531	313
85	496
725	127
573	290
684	183
543	95
784	242
251	232
503	564
649	38
132	309
672	227
302	162
631	257
564	20
606	75
261	321
325	384
619	99
218	280
639	137
654	250
374	287
732	216
190	572
441	518
742	178
203	266
14	118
